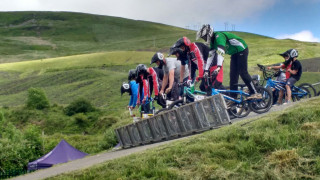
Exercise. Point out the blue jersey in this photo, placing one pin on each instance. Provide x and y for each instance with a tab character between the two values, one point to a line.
134	93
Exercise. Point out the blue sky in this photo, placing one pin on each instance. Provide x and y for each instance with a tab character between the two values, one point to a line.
295	19
284	19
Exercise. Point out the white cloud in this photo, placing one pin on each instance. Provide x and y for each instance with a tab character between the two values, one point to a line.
300	36
173	12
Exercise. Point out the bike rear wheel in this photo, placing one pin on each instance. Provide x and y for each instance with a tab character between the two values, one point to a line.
262	105
301	93
308	86
239	110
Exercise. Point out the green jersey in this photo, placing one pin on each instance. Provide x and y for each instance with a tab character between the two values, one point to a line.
229	42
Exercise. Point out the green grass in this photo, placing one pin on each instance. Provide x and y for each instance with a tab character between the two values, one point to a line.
282	145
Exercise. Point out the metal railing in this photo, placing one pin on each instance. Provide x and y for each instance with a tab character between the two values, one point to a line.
194	117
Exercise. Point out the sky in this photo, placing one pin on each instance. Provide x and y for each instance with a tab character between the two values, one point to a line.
294	19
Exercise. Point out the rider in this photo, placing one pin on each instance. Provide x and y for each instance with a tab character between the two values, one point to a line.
171	68
227	43
131	88
196	53
293	71
149	79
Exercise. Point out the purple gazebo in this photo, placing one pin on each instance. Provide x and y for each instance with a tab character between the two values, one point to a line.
62	153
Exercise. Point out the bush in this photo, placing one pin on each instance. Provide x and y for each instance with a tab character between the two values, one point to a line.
79	106
81	120
37	99
109	139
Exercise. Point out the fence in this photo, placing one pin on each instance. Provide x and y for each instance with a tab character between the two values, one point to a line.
194	117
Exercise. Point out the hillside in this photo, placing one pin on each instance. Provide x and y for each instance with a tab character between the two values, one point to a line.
74	55
40	35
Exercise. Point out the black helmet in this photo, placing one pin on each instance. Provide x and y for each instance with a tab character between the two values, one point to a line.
184	41
291	53
157	57
175	50
132	74
141	69
125	87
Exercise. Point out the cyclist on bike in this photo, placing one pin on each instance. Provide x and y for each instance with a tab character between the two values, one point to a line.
131	88
293	71
227	43
149	79
196	54
172	76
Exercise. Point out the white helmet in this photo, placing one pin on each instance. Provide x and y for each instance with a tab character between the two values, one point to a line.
205	32
293	53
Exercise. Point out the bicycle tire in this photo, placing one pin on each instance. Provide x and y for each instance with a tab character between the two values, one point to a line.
313	90
318	93
262	105
238	111
305	96
176	103
162	110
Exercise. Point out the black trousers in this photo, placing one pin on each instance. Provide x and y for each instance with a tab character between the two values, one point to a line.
239	66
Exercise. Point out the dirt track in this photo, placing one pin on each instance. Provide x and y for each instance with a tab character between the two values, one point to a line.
102	157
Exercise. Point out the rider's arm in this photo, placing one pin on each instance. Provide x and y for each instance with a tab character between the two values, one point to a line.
220	46
200	60
292	71
220	54
164	82
155	81
171	78
145	88
134	92
182	70
212	54
276	67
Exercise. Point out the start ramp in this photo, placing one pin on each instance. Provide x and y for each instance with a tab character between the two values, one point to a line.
202	115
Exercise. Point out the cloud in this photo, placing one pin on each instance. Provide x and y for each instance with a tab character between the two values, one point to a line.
173	12
300	36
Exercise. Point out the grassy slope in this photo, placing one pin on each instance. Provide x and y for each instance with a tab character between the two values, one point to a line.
39	35
282	145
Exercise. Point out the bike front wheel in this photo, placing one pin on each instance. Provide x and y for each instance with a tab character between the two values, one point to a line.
264	104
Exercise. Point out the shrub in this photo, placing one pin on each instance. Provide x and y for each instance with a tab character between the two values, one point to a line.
81	120
109	139
79	106
37	99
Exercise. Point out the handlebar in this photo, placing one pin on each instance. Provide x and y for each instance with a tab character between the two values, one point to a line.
266	73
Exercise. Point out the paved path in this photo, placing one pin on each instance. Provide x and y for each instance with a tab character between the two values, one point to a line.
100	158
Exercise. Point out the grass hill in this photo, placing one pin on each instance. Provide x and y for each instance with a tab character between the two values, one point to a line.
73	55
40	35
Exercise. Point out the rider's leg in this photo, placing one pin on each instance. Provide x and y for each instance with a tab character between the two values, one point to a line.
288	98
280	97
243	70
234	75
290	82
